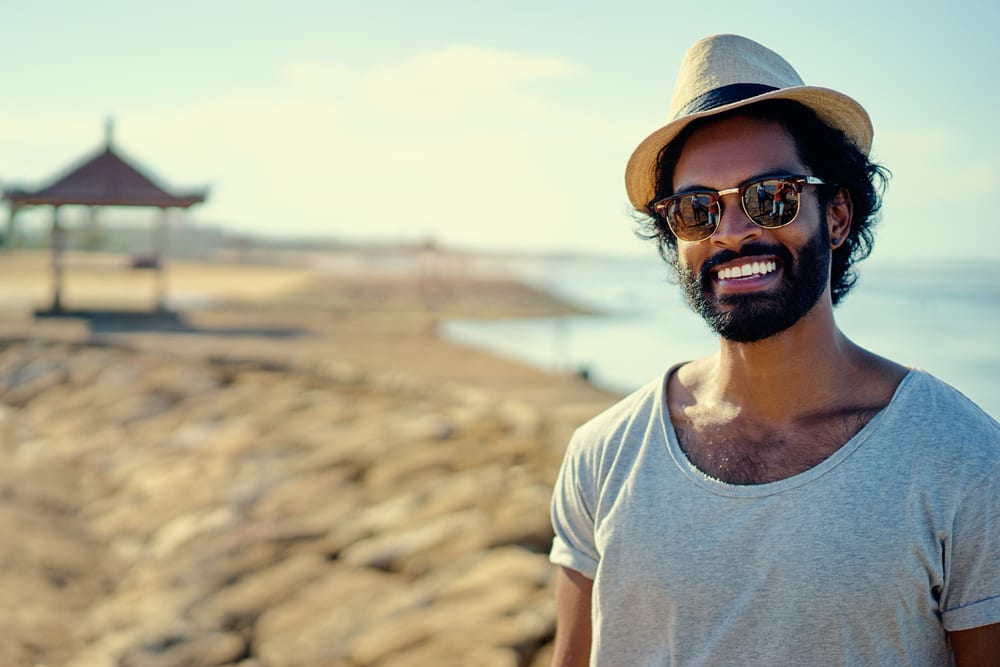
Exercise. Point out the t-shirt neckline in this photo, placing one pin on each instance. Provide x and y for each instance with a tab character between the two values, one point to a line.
719	487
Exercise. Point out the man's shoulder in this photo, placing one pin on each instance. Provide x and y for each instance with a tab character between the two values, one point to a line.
614	438
610	427
930	411
922	394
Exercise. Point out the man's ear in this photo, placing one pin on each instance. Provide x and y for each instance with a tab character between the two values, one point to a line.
839	214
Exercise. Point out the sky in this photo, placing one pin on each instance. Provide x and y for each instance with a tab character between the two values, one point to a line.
479	125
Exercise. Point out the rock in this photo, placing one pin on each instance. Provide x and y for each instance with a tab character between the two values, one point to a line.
327	493
239	604
168	505
485	569
453	652
30	379
403	549
521	417
316	625
518	521
183	650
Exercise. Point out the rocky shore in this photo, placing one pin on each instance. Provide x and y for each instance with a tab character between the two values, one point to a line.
310	479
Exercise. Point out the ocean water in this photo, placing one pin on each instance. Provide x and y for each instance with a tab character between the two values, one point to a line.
942	317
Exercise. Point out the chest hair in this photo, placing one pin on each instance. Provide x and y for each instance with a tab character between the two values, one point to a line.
744	451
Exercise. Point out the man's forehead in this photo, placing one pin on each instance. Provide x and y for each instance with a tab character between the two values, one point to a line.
735	149
737	130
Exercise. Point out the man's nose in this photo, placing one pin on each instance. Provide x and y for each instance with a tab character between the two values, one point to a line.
735	228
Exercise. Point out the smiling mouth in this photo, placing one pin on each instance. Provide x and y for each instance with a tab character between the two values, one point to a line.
747	270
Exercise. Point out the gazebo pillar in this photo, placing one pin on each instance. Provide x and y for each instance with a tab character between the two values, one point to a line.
58	246
160	254
90	238
8	239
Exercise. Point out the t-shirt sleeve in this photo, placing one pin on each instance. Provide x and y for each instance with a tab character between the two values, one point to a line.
573	502
971	598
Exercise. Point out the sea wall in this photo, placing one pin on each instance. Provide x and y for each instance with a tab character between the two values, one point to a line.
162	508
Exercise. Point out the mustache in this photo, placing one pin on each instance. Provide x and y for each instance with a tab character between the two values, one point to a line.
748	250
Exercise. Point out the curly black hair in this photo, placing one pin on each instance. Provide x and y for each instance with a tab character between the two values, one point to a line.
824	150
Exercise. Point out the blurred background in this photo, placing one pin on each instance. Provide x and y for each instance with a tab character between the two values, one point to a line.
315	418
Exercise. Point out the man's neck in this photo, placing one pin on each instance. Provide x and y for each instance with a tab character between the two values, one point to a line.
809	367
760	412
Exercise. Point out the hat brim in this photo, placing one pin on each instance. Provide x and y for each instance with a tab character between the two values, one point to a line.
833	108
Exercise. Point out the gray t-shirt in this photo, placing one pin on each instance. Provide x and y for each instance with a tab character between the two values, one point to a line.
866	559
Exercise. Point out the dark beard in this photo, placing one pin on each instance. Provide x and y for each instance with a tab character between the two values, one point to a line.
748	318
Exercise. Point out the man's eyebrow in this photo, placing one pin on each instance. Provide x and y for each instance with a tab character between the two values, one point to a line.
770	173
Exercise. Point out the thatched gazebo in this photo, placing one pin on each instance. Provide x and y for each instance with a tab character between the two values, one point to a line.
104	179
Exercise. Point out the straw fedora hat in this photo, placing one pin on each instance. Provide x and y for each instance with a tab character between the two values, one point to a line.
725	72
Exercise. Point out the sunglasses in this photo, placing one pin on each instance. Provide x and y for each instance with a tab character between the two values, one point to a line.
769	203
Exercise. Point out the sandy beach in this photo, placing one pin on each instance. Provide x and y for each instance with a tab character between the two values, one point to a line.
292	470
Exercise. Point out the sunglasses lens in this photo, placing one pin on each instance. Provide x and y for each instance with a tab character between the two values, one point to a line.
769	203
692	217
772	202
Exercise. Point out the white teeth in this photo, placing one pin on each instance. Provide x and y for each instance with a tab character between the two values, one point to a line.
746	270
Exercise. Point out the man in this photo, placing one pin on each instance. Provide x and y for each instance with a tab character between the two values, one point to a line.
778	201
792	499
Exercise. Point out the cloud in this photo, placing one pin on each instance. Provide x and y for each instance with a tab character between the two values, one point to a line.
461	83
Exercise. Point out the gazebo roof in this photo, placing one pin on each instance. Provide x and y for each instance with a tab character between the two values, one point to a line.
106	179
